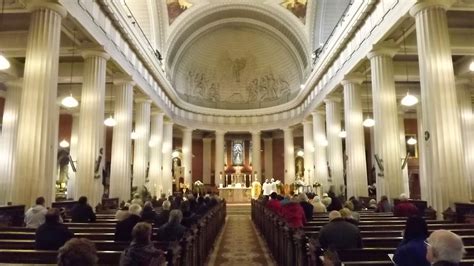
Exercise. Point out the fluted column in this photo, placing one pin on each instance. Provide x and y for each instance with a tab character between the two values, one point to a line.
320	144
156	154
403	151
423	172
90	153
34	156
120	170
206	160
219	161
140	152
441	119
289	155
467	127
335	158
268	151
386	133
256	154
8	138
308	146
167	160
188	155
356	167
71	183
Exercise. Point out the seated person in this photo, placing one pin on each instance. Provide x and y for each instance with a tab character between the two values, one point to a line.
122	213
384	205
444	248
339	233
346	214
349	205
78	252
412	249
148	213
372	204
52	234
82	212
189	218
405	208
34	217
318	206
293	213
274	204
307	207
326	200
164	215
172	230
160	201
123	229
137	199
141	251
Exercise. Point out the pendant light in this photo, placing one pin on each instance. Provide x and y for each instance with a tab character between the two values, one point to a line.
408	100
411	141
133	135
4	63
342	134
368	122
64	144
70	101
110	121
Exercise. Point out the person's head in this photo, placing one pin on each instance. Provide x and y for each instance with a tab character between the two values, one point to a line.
175	217
326	201
166	205
141	233
302	197
317	199
40	201
444	245
82	200
403	197
52	216
77	252
163	196
274	195
372	202
185	206
148	205
345	213
333	215
383	198
349	205
135	209
136	196
325	195
415	228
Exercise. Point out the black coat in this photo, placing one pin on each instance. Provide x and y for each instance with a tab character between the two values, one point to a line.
52	236
148	214
82	213
123	229
162	218
308	210
171	232
140	254
340	234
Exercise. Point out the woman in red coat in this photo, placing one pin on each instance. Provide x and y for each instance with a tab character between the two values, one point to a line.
293	213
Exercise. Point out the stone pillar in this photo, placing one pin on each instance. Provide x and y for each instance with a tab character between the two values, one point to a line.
188	156
320	144
386	133
289	155
71	183
356	166
206	160
335	158
156	154
447	178
219	161
423	172
308	146
256	154
268	150
90	151
467	127
140	153
120	165
403	152
8	138
34	156
167	160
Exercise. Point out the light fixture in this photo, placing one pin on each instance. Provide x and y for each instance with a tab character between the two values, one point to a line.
133	135
110	121
300	153
368	122
64	144
411	141
4	63
342	134
471	66
69	101
175	154
302	86
151	143
409	100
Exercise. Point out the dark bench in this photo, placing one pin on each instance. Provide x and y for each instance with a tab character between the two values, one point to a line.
12	215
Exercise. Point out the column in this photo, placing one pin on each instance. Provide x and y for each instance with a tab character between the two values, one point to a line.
447	178
34	156
268	150
140	152
320	144
120	165
356	166
467	127
90	151
8	138
206	160
333	128
386	133
423	172
219	161
188	156
167	175
289	155
308	146
71	191
156	154
256	155
403	151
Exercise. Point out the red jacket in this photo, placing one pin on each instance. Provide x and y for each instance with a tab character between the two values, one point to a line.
405	209
274	205
293	214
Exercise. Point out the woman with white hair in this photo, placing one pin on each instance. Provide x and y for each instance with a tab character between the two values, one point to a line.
307	207
444	248
172	230
318	206
123	229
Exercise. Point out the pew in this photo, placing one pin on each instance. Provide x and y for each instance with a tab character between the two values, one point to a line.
13	215
464	210
50	257
67	205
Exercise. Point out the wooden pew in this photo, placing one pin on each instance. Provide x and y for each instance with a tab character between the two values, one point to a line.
12	215
50	257
67	205
463	210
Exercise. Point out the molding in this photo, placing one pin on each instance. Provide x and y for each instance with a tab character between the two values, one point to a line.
425	4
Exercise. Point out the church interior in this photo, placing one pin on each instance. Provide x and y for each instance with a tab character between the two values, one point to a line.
207	112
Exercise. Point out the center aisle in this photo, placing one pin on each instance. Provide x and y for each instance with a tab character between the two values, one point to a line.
239	242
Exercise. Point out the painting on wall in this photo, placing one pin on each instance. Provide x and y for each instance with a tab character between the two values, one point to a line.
237	152
297	7
176	8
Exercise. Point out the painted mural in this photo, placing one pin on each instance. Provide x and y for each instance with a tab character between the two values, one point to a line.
297	7
176	8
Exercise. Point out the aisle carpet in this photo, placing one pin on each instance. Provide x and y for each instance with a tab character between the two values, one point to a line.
239	242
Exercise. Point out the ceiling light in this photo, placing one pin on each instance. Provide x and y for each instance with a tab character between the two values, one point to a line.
64	144
151	143
409	100
175	154
302	86
411	141
368	122
300	153
110	121
342	134
133	135
69	102
4	63
471	66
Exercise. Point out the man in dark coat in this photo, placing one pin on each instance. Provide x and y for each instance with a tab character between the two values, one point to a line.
82	212
141	251
339	233
172	230
52	234
164	215
123	229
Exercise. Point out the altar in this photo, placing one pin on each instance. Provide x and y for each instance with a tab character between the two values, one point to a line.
235	194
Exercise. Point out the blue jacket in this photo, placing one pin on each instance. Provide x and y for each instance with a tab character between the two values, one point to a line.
411	252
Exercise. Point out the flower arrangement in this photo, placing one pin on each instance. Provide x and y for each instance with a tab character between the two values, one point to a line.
316	184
